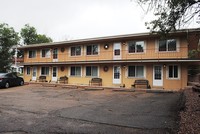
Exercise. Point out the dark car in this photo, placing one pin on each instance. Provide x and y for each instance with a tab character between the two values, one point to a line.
10	79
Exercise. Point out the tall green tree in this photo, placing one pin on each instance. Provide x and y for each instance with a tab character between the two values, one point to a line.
29	36
170	14
8	38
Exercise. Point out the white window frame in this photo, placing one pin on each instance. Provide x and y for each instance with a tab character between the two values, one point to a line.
92	66
29	54
92	54
45	71
144	47
179	72
144	72
75	75
47	53
167	51
75	54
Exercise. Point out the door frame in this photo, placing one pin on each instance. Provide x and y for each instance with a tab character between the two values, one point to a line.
34	78
117	45
54	78
158	83
117	81
54	60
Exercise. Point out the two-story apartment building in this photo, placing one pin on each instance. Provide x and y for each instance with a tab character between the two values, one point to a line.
118	60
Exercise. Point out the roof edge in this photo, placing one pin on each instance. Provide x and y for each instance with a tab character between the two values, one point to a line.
106	38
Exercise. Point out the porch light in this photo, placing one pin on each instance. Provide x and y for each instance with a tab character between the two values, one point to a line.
164	65
106	46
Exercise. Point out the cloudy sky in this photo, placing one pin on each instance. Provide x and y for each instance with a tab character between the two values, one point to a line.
75	19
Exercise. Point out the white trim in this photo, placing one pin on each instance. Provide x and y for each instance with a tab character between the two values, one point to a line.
144	46
162	77
98	46
34	78
117	81
144	71
75	75
179	72
75	55
167	51
47	53
35	54
117	45
52	50
55	78
92	66
44	74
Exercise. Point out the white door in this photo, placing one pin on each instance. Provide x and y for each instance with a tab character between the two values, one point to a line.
34	74
116	75
55	54
117	51
54	73
157	75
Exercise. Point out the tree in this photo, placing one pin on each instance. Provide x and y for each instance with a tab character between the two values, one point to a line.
171	14
29	36
41	38
8	38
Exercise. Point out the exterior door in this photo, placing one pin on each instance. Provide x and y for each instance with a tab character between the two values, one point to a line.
34	73
117	51
54	73
55	54
116	75
157	75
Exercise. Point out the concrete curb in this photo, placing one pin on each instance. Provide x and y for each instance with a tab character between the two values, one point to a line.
123	90
93	89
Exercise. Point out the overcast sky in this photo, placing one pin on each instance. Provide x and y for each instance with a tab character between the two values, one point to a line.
75	19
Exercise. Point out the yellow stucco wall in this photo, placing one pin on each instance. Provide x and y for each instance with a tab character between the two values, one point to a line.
173	84
151	52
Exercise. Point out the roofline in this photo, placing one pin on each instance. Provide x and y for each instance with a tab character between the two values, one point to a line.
152	34
113	62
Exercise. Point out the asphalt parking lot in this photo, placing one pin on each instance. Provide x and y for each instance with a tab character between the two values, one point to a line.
38	109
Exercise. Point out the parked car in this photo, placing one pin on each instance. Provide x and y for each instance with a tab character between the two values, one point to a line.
10	79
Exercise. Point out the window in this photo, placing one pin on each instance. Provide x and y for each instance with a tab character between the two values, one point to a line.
167	45
55	53
75	71
136	71
136	46
173	71
76	51
92	71
92	50
44	70
31	54
46	53
28	70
